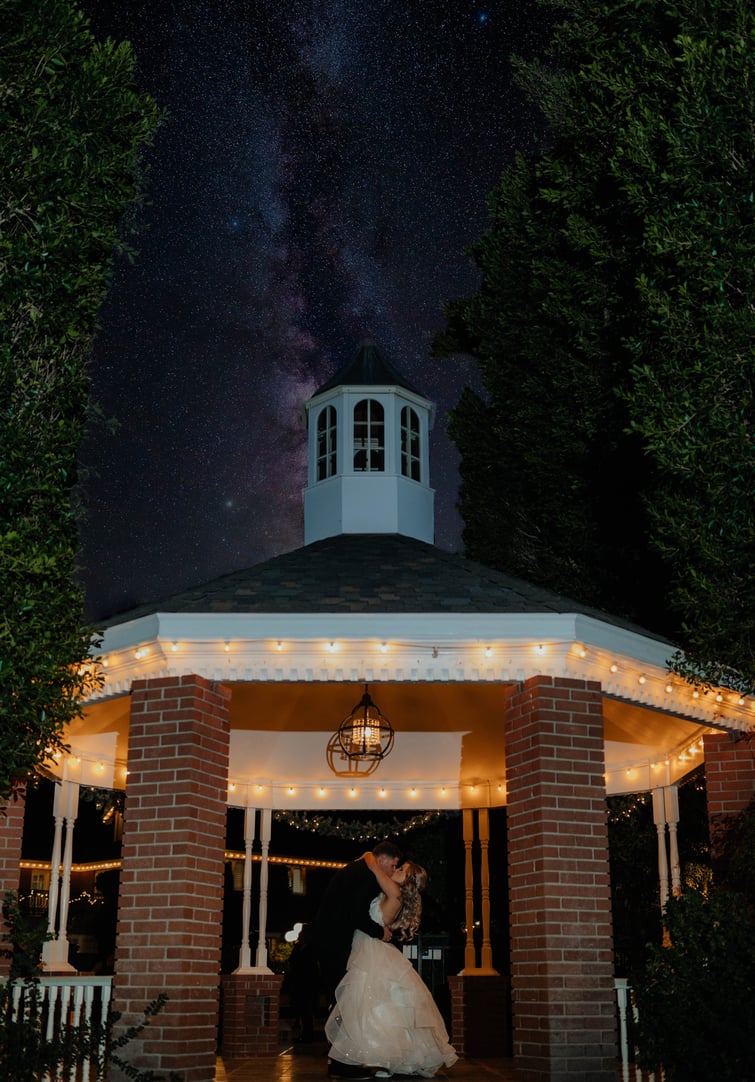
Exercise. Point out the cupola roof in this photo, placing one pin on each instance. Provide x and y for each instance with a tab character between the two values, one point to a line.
368	367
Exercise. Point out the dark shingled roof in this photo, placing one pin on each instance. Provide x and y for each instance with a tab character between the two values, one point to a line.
369	573
367	367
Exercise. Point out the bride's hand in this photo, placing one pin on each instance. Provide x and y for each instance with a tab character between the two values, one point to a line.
369	859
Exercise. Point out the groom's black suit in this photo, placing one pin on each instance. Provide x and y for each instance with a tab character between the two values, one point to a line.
345	906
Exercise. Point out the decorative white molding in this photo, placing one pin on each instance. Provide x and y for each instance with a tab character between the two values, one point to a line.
409	647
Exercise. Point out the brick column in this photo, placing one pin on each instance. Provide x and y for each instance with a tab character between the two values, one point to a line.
11	835
251	1015
171	892
480	1016
564	1015
729	778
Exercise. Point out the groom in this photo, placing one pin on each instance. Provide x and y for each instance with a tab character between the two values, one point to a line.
345	907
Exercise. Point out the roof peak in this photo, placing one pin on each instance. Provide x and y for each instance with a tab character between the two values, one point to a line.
368	367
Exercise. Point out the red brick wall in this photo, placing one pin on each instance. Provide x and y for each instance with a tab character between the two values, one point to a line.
480	1016
729	777
171	891
561	933
251	1015
11	833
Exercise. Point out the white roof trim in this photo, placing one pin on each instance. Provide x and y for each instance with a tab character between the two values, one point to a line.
409	647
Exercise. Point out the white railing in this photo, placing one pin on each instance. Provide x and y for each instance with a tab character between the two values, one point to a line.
627	1011
65	1003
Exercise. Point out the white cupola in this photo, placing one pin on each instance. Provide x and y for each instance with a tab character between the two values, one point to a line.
368	453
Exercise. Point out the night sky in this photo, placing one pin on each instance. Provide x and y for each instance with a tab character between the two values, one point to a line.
321	169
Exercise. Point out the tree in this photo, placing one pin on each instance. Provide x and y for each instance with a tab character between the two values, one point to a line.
71	128
614	328
695	1006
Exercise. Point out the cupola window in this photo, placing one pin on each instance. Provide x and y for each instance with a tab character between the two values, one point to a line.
369	437
326	443
410	454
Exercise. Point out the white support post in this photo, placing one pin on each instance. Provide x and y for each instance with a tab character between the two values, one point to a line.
245	953
671	802
55	951
470	959
487	950
57	850
261	965
659	818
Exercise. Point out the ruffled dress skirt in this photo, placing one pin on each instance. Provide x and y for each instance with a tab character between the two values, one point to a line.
385	1016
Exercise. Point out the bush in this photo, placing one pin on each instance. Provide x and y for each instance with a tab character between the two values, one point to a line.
695	996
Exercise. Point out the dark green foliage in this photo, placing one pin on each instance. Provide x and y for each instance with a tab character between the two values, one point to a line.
71	121
695	1003
612	457
694	998
635	903
27	1052
24	935
633	855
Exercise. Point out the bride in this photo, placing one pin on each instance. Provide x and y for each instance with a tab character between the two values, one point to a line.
384	1014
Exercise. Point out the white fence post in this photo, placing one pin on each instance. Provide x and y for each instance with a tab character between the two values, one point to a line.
68	1002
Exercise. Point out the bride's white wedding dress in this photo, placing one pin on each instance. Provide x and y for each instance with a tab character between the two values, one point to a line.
384	1014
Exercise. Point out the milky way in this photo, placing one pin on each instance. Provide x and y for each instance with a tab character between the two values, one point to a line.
319	173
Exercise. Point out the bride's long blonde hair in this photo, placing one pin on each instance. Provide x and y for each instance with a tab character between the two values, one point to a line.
407	921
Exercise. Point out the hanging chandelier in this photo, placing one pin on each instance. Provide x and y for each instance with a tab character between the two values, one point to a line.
362	740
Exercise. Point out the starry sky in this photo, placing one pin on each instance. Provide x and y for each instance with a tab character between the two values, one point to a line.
320	171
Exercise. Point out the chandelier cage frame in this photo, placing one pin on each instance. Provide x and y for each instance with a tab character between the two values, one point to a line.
365	735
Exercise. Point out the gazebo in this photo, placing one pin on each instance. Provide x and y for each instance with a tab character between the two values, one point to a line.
499	694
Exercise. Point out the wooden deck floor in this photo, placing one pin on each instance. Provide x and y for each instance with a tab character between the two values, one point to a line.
310	1065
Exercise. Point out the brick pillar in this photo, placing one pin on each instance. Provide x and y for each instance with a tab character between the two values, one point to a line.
729	779
251	1015
11	834
564	1014
480	1015
171	891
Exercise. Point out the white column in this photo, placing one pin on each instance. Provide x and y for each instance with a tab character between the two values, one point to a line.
483	825
261	965
57	849
671	801
470	960
245	954
659	818
55	951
